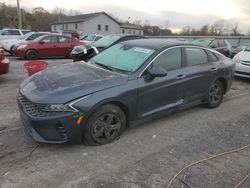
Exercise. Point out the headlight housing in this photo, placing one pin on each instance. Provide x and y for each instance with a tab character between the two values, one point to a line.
59	108
236	59
79	49
22	46
64	107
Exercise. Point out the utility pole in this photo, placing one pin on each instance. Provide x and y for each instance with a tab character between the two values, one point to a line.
19	15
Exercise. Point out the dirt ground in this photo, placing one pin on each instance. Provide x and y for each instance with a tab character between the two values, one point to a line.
146	156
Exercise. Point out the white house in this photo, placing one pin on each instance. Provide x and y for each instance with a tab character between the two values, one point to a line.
95	23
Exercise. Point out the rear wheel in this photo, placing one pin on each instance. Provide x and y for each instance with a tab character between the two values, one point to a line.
105	125
215	95
31	55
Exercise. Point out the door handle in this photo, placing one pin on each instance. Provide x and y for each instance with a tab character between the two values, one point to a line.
213	69
181	76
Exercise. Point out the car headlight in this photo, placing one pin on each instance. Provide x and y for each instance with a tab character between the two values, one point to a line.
236	59
59	108
64	107
79	49
22	46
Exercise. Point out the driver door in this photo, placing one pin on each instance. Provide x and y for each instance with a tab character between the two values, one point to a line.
162	93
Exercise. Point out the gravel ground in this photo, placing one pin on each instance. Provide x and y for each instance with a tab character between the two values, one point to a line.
146	156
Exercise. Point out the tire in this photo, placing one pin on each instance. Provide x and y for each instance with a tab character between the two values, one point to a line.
11	50
105	125
31	55
215	95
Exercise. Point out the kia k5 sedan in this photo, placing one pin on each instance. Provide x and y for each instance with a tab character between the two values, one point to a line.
94	102
46	46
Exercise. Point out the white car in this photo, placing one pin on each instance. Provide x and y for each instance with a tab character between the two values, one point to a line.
12	33
90	39
242	61
8	44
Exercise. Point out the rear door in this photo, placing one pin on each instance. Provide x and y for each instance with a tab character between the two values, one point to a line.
162	93
200	72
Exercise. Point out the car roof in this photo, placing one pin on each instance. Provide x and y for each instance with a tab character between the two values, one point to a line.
156	43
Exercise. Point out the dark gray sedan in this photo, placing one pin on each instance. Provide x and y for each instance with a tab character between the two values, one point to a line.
94	102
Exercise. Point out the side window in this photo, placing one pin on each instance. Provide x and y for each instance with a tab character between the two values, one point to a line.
196	56
98	38
170	59
212	57
15	32
64	39
34	36
6	32
221	43
214	44
52	39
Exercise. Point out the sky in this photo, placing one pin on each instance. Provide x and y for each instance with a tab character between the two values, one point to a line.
175	14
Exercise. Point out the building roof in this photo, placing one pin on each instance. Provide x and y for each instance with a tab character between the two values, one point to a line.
130	26
82	18
85	17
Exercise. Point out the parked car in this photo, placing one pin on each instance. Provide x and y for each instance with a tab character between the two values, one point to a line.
242	61
96	101
85	52
47	46
220	45
4	62
239	49
90	39
8	44
12	33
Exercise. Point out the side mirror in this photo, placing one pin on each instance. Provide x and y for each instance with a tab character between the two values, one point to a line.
213	46
157	72
41	42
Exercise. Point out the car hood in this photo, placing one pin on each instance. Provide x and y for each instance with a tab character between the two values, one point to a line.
61	84
244	56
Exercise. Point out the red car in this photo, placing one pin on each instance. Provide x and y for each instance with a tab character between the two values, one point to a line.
4	62
47	46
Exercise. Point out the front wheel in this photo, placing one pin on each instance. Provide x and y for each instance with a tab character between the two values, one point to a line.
105	125
31	55
215	95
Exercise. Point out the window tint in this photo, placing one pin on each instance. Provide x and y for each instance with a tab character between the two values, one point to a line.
64	39
15	32
170	59
11	32
34	36
97	38
214	44
196	56
25	32
52	39
221	43
212	57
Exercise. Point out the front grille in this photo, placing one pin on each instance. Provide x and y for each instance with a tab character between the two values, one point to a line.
244	73
34	110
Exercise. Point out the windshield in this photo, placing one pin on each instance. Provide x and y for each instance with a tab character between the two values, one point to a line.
107	41
202	42
122	57
89	38
25	36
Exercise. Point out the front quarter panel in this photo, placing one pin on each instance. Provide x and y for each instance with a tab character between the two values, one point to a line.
125	95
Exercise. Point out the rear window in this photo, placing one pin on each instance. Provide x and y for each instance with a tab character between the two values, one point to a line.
196	56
